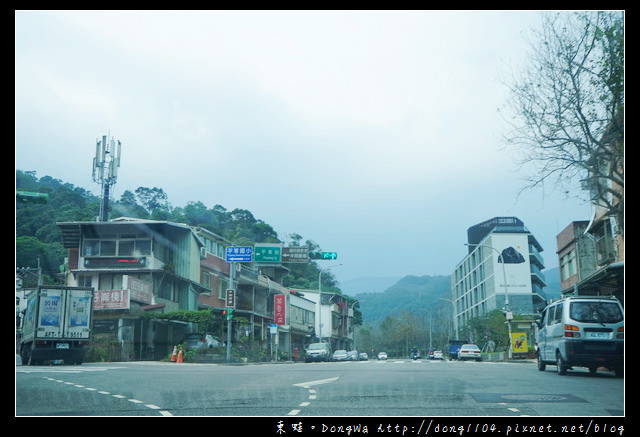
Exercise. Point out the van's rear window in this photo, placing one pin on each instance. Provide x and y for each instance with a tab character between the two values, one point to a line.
597	312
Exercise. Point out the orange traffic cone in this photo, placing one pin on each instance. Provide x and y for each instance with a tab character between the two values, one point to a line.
180	356
174	354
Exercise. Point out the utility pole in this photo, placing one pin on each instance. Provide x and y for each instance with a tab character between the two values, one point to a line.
232	275
507	307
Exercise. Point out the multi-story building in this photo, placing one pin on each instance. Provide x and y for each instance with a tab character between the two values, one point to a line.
135	266
138	266
591	253
503	270
334	323
591	258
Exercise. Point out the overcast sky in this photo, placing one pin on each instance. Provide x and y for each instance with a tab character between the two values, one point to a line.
376	134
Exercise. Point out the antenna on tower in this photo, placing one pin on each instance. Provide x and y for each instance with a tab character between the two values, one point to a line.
105	170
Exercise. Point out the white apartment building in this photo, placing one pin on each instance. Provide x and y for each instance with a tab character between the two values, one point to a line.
503	270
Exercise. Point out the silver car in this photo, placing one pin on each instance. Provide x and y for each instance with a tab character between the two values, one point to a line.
340	355
317	352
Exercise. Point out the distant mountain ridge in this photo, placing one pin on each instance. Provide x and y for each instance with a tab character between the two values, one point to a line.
553	290
352	287
413	294
385	296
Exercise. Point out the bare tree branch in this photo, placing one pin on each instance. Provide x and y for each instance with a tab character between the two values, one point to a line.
568	106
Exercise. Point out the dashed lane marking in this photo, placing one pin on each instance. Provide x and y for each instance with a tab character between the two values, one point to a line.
117	396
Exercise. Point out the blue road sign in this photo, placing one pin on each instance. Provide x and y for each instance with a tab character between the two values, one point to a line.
239	254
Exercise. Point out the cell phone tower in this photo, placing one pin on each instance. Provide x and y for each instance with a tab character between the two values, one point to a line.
105	170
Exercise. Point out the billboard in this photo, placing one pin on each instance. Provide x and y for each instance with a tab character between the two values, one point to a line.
515	272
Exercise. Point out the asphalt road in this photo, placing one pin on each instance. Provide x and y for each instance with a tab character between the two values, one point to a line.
393	388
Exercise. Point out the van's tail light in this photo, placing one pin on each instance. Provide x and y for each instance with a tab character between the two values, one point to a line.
571	331
620	333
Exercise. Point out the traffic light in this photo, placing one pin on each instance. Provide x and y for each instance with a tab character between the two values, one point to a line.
228	313
323	255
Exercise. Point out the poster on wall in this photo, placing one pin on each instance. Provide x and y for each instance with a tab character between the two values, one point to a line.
519	342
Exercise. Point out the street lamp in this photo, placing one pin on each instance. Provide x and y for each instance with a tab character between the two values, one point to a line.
355	302
354	328
320	300
453	313
508	314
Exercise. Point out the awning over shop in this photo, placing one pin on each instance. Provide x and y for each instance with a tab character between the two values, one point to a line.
608	281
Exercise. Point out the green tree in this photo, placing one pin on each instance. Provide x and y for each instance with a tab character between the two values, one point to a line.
33	253
154	201
489	327
128	206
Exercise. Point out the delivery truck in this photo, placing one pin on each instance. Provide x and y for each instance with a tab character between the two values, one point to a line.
57	325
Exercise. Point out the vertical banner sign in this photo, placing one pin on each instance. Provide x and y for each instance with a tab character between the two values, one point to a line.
231	298
279	309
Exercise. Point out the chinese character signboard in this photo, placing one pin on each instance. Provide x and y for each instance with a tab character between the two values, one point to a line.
231	298
140	291
111	300
239	254
295	254
265	252
280	309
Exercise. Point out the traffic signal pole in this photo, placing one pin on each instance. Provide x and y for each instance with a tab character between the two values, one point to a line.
232	275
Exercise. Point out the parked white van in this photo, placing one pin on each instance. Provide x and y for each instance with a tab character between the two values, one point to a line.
585	331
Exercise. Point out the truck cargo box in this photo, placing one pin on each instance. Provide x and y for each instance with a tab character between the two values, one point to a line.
57	325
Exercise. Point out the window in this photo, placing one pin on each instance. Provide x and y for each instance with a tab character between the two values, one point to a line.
223	284
166	291
568	264
84	281
108	248
556	317
117	247
126	247
595	312
108	281
206	280
91	247
143	247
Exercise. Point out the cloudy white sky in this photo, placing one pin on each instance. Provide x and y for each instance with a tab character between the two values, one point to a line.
375	134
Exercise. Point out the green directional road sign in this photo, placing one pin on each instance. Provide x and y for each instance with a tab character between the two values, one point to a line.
323	255
267	253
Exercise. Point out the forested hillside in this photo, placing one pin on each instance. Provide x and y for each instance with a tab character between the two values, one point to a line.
413	294
39	240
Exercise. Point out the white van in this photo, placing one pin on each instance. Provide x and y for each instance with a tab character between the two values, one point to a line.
585	331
